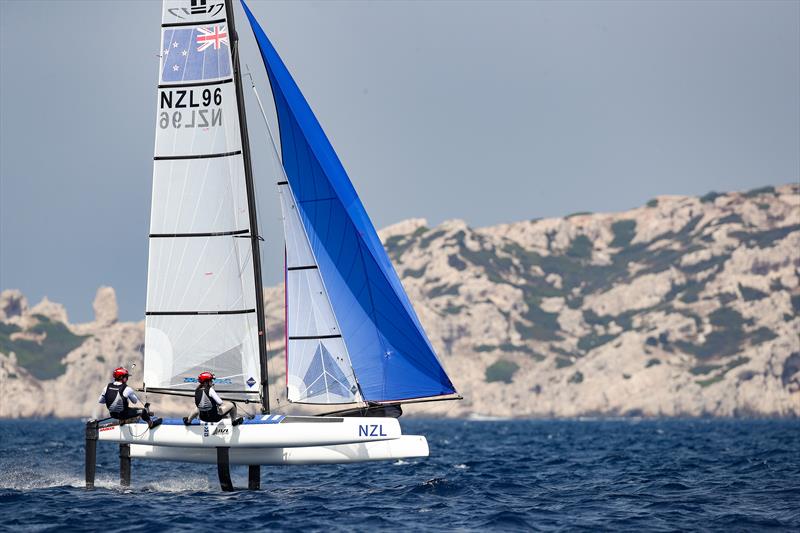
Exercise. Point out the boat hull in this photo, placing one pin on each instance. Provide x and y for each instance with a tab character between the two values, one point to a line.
268	431
404	447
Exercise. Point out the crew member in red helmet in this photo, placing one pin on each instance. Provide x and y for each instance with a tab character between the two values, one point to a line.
210	407
118	398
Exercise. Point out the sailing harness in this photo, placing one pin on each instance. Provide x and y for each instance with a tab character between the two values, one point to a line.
207	407
116	401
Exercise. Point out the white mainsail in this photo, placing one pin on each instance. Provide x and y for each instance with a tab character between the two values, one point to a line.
201	285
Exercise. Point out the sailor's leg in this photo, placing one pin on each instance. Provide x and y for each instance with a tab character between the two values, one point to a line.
224	469
144	414
227	409
132	412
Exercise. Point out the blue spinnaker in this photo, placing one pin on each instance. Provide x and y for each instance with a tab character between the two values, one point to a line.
392	357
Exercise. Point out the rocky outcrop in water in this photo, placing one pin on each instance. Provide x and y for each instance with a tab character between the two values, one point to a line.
684	307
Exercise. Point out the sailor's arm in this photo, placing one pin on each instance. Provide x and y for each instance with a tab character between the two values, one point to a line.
102	397
214	396
130	395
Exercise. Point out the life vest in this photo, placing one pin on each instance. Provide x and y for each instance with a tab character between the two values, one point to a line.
116	401
206	406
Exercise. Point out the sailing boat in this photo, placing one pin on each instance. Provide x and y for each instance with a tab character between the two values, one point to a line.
352	336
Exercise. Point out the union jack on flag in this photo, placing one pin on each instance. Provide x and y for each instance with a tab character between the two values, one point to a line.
195	53
207	37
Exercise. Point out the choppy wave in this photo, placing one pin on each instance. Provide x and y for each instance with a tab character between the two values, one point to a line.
495	475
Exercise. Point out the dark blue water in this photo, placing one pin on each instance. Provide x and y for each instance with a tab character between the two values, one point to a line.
613	475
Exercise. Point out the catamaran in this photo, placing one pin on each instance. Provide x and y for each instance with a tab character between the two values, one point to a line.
352	337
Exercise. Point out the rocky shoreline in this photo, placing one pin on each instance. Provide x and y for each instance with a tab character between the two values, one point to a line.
685	307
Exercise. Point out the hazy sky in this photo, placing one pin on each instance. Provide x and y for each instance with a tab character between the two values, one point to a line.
487	111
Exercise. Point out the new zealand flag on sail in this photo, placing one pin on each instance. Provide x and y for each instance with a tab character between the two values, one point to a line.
195	54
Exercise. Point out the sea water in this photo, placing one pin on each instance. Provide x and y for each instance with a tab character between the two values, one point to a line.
499	475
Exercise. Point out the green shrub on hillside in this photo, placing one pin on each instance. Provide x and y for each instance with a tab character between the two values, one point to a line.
766	238
542	325
624	232
591	341
726	338
501	370
750	293
576	378
769	189
562	362
43	360
444	290
485	348
733	218
761	335
455	262
580	247
710	197
453	309
411	273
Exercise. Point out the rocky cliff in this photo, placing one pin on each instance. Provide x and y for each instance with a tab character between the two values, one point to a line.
684	307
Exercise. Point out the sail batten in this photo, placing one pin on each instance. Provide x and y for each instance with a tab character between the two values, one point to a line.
391	357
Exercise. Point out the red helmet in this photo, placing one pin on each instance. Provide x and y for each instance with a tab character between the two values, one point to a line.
121	372
205	376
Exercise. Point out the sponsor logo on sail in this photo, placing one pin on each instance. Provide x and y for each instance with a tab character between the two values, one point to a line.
220	381
195	8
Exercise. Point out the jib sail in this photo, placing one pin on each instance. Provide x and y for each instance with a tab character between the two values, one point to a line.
391	357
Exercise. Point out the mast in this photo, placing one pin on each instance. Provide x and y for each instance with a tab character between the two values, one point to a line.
251	205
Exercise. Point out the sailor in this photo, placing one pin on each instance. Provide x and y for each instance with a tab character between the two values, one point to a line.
210	407
118	397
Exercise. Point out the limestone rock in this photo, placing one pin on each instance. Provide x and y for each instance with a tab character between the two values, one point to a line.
105	306
51	310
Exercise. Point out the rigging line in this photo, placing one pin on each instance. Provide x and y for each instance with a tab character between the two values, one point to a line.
276	165
270	364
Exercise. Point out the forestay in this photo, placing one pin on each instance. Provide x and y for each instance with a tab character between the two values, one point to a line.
201	295
391	356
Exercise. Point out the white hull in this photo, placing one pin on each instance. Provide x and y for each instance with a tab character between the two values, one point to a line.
407	446
274	431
